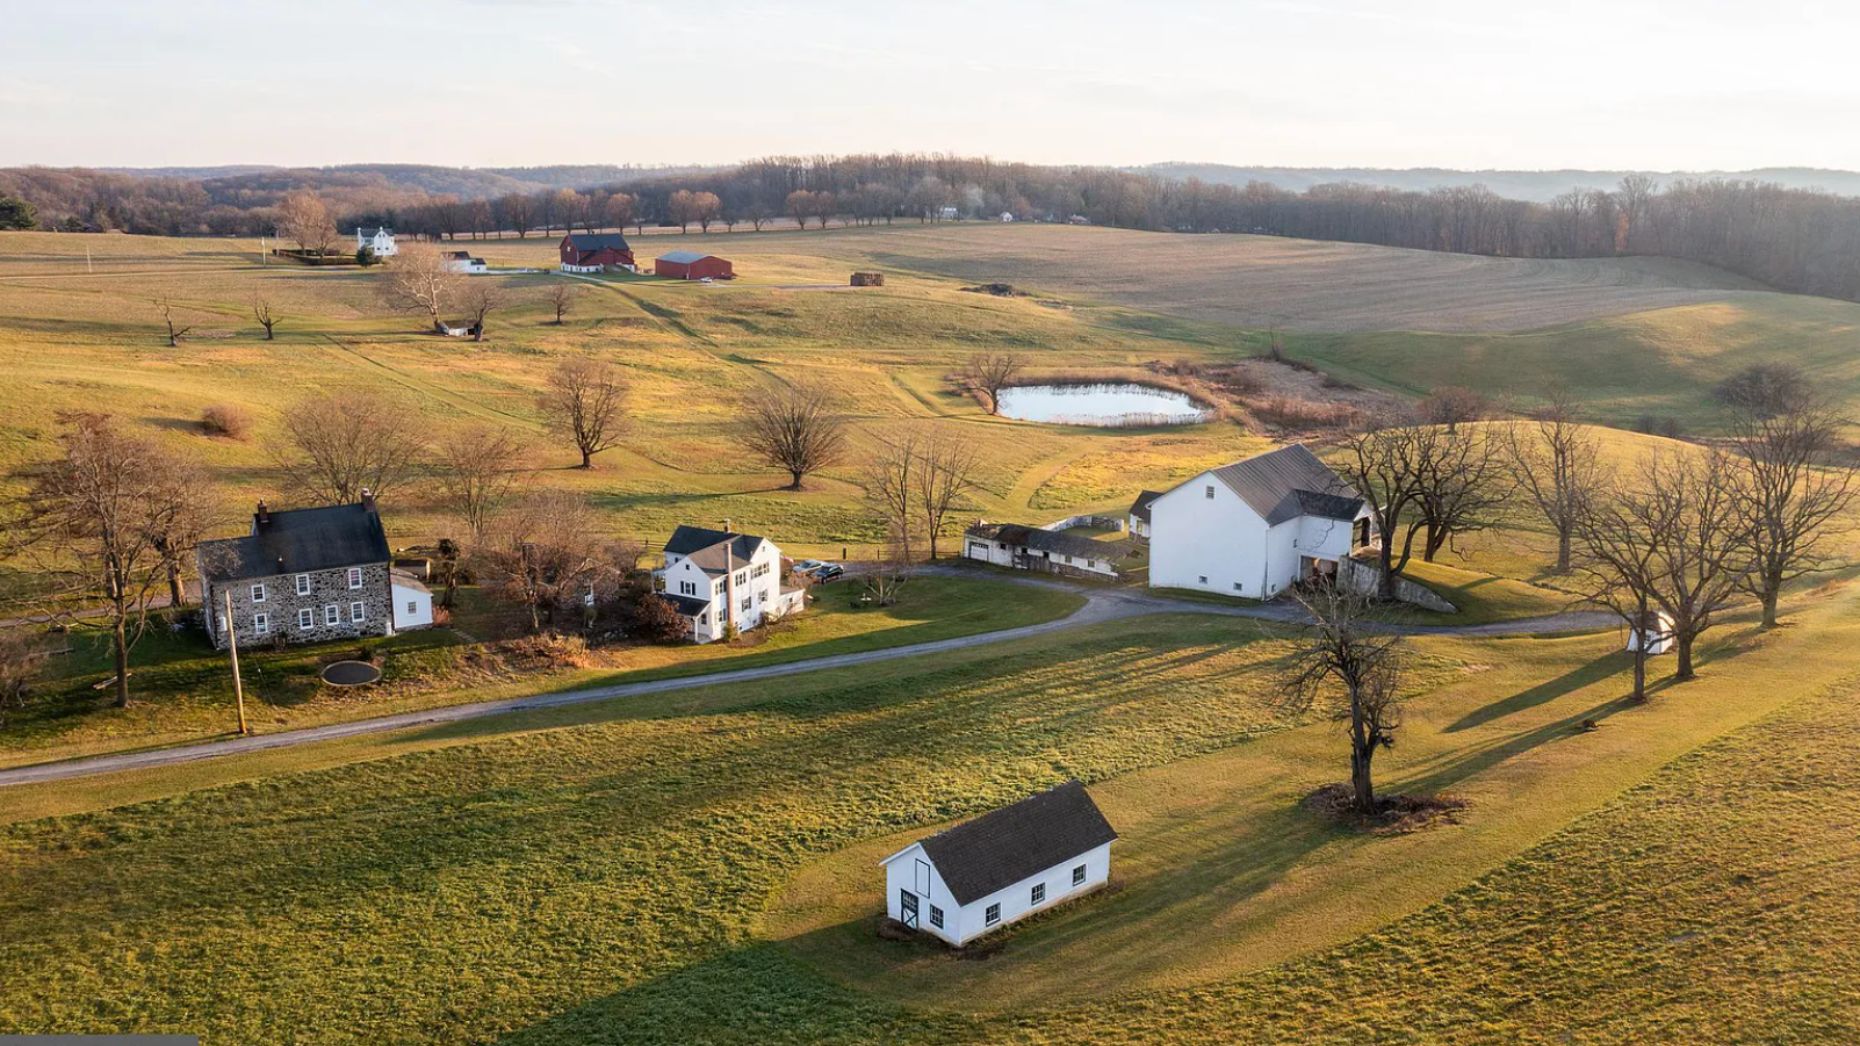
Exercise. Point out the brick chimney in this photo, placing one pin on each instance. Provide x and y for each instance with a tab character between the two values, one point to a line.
263	515
368	500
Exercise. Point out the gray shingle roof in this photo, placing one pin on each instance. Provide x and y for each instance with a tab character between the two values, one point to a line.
1005	846
689	606
1140	508
595	241
706	547
1278	485
1054	541
298	541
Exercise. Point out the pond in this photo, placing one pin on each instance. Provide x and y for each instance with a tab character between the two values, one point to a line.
1123	404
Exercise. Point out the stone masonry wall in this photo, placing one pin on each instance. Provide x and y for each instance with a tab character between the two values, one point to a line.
281	604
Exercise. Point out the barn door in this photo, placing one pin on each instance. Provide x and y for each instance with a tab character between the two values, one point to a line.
907	908
923	878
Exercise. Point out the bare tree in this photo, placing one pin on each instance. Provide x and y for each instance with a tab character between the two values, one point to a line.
180	513
681	207
305	218
891	485
562	297
544	553
799	204
1462	485
991	372
1618	554
261	311
22	655
795	430
705	208
1391	463
91	515
617	210
1791	492
175	334
519	212
1342	652
1452	406
945	476
582	401
481	298
890	570
476	469
342	444
421	280
1553	459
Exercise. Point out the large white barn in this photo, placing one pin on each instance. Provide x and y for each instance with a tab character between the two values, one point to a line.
1005	865
1256	527
719	578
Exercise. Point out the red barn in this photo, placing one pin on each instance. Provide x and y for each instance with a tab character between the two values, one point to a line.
690	265
590	252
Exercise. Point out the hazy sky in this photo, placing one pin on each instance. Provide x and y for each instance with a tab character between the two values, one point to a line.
1453	83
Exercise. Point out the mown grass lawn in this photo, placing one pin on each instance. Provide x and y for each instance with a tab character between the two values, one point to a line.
627	872
183	689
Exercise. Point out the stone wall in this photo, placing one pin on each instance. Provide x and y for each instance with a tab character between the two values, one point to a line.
1363	577
282	603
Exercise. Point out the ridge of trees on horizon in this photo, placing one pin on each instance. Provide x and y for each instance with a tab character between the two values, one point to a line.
1795	240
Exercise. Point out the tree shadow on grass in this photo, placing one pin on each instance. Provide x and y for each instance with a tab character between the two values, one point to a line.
1548	690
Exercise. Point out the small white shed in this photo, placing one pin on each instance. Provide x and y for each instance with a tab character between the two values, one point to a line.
1655	632
1003	866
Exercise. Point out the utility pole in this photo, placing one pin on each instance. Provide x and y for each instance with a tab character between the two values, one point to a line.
232	644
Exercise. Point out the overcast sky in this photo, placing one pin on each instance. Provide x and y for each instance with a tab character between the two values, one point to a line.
1698	84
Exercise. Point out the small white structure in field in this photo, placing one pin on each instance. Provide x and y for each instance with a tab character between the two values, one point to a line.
1138	519
1655	632
948	214
463	262
719	578
381	241
413	601
1007	216
1256	527
1003	866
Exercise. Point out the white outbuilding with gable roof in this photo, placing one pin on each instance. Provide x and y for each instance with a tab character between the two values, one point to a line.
1003	866
1256	527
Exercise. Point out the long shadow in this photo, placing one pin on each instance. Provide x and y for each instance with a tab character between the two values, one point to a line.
1548	690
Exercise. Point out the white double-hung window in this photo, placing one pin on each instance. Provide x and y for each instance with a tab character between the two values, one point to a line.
355	577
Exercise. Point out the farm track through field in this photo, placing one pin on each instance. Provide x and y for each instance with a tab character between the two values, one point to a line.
1100	606
463	403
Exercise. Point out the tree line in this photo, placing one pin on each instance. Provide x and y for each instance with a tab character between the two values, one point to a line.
1796	240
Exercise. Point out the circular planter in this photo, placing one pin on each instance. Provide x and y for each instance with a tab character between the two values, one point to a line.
350	673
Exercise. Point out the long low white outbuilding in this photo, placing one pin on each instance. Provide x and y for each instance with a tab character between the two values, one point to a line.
983	874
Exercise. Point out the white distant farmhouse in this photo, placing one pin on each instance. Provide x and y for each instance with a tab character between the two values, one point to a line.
381	241
1006	865
1255	527
716	578
463	262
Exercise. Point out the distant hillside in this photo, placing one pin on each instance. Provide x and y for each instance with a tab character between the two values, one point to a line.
1535	186
470	183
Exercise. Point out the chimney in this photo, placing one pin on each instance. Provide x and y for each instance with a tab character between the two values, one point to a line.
726	527
368	499
263	515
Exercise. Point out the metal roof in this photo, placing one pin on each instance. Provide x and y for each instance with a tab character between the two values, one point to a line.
683	257
1278	485
1040	540
1001	848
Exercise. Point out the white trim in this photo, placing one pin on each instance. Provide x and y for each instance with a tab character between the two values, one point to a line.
355	577
261	624
332	614
258	592
303	584
358	611
306	619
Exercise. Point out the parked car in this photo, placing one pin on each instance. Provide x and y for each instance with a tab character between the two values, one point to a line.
828	573
806	567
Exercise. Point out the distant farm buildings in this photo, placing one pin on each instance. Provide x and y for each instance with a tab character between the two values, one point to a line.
1046	549
380	242
1003	866
691	265
463	262
595	252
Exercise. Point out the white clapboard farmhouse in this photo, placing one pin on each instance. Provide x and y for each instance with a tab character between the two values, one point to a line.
1006	865
719	578
1256	527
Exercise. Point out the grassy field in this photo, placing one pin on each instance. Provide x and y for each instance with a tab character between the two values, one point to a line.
430	669
687	866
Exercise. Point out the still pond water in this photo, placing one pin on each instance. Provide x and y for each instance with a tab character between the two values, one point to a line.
1111	404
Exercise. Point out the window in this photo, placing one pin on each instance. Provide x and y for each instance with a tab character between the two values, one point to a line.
742	577
747	602
992	915
1210	492
261	624
258	593
687	588
306	618
303	584
332	614
358	611
936	917
1236	586
1078	875
413	608
1204	579
1039	893
717	588
355	577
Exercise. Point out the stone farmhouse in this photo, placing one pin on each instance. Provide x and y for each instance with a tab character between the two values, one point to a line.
309	575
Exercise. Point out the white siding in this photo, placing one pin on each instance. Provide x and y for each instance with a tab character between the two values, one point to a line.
964	923
413	608
1221	538
762	592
